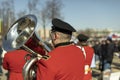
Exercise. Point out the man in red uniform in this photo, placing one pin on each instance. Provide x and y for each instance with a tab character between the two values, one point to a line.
14	61
88	52
66	61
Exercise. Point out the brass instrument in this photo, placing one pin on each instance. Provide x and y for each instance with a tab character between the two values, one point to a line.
18	34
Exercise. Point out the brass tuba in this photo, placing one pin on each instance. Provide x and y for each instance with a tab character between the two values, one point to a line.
18	35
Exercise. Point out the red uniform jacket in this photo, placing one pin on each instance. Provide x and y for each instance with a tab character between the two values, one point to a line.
64	63
14	61
89	55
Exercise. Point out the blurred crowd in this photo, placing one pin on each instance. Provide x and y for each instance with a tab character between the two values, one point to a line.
105	50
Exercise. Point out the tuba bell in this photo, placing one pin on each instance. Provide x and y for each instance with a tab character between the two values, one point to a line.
18	36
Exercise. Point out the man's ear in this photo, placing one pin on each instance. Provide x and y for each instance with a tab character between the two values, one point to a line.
55	35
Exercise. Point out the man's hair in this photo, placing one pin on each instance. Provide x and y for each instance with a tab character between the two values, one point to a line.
64	37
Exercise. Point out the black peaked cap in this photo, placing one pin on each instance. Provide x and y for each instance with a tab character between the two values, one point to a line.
82	37
61	26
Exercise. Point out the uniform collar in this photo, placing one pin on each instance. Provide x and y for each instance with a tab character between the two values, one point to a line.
63	44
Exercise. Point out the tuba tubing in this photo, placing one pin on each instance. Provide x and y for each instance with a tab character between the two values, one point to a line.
16	37
43	44
27	68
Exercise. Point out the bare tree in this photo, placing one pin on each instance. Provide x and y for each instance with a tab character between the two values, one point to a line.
44	19
8	14
51	10
32	6
21	13
54	8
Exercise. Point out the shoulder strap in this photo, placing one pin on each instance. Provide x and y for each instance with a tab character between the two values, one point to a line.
83	50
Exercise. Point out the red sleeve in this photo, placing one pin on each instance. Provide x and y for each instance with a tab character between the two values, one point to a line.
5	62
44	72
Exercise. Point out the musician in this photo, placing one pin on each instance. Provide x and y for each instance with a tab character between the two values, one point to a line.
66	61
89	52
14	61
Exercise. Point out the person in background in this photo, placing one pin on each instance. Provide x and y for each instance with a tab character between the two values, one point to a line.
97	51
1	72
88	52
14	61
5	72
117	50
107	58
15	65
66	61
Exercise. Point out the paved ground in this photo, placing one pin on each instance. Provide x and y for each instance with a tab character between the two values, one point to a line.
96	72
